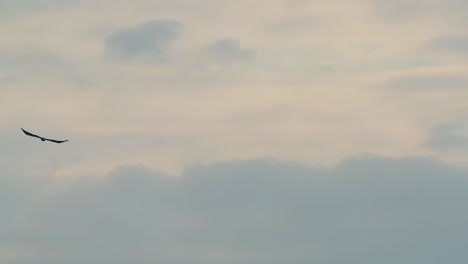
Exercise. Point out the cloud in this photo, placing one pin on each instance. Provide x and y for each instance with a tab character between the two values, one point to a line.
361	211
149	42
29	68
227	50
454	44
405	10
294	25
448	136
429	78
254	211
11	9
32	61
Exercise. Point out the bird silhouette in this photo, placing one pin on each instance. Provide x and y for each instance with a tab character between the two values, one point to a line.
42	138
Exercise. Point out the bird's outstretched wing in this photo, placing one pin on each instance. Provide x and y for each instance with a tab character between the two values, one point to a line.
43	138
56	141
31	134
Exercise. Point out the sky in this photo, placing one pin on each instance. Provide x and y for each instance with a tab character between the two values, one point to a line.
238	132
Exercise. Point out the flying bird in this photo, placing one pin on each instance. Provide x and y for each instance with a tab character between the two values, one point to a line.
42	138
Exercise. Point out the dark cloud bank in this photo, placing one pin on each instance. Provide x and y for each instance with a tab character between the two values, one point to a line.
370	210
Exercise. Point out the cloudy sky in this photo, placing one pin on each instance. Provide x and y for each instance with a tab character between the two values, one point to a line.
239	132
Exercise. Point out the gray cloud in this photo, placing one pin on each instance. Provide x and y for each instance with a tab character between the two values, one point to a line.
455	44
148	42
431	82
36	67
426	79
294	25
413	10
227	50
32	61
405	10
452	12
405	210
11	9
448	136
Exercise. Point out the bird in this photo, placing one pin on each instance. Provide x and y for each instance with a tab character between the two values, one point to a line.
42	138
